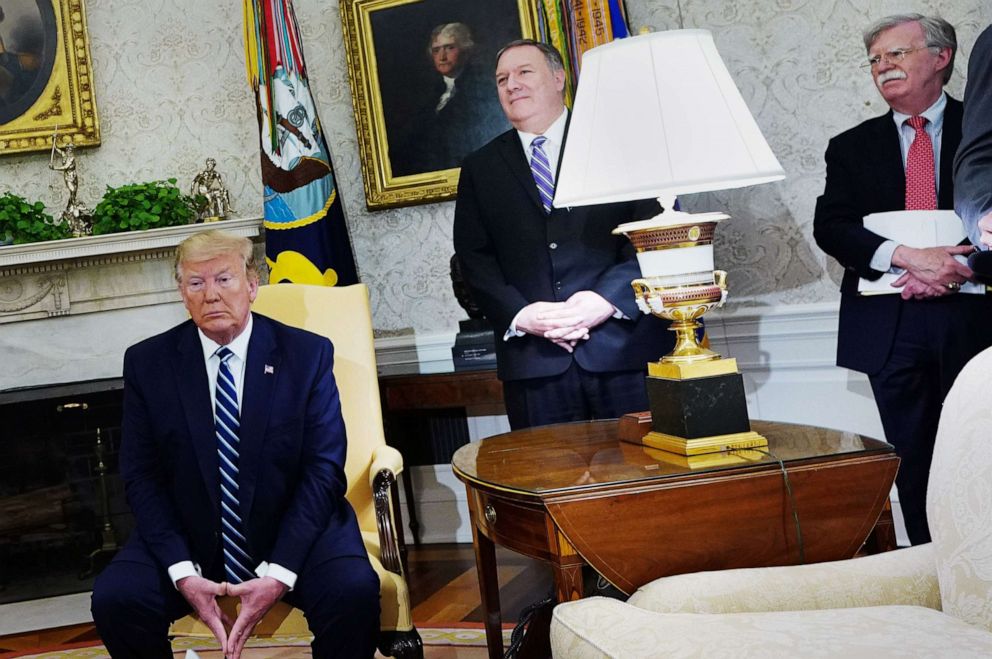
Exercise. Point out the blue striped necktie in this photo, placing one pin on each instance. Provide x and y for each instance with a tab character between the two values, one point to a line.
541	169
226	421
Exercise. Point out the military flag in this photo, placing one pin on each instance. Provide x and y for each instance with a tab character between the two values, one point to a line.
306	239
575	26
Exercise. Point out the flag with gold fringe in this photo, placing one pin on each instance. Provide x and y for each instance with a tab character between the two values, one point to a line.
575	26
306	239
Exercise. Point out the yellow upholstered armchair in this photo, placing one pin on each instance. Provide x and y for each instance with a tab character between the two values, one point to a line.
343	314
933	600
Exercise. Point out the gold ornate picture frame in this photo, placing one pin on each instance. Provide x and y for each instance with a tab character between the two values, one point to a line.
46	76
410	139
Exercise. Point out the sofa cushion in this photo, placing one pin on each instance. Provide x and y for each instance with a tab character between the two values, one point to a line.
959	496
600	627
903	577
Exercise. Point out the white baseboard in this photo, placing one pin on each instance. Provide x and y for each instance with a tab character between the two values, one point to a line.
785	353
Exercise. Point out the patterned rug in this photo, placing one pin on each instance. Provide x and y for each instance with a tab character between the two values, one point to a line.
436	639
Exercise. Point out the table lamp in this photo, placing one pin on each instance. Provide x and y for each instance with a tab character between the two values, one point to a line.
658	115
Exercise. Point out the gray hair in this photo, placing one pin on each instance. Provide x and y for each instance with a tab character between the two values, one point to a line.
206	245
459	31
937	32
551	54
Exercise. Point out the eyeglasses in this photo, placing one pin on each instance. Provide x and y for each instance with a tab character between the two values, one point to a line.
892	57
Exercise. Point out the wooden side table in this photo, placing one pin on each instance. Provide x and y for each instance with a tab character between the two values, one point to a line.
574	494
475	392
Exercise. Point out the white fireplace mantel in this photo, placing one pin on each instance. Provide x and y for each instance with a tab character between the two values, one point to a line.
69	308
95	273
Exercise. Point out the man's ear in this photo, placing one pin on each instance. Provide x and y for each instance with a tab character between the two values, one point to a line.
559	79
943	59
252	288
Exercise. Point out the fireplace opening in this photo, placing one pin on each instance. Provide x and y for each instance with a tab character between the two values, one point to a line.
62	509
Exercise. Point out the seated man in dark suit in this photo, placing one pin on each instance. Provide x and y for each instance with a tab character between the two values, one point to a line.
555	283
911	346
232	456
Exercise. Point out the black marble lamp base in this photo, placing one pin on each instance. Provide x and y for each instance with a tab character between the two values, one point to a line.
699	415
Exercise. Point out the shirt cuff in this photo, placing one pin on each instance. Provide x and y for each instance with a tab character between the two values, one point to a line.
277	572
881	260
181	570
619	315
512	331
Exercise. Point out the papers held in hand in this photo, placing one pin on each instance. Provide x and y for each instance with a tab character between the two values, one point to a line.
915	229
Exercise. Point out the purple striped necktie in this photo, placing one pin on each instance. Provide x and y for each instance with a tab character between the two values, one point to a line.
541	170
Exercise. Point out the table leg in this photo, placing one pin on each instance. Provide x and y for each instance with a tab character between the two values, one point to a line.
485	563
567	564
568	582
411	507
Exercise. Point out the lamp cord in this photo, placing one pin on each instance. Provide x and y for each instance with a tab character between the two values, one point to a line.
517	635
792	502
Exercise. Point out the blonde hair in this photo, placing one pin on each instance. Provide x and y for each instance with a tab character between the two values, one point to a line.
211	244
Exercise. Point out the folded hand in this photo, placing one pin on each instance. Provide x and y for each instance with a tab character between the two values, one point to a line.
202	595
257	597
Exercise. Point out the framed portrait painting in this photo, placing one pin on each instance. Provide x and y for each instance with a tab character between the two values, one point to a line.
46	76
424	90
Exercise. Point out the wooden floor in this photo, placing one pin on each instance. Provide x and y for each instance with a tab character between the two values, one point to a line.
444	586
443	589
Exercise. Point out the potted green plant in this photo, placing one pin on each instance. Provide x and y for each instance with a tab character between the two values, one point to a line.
138	206
22	221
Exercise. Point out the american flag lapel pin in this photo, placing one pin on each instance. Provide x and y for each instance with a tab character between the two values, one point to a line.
269	370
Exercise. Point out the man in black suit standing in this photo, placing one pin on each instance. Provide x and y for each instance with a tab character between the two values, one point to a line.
571	343
973	162
912	345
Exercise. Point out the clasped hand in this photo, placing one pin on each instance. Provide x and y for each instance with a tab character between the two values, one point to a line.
932	271
565	323
257	597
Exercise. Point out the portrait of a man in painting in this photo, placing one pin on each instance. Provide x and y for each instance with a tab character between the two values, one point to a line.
28	41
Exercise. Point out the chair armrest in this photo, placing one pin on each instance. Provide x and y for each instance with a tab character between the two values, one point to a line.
387	463
385	457
906	576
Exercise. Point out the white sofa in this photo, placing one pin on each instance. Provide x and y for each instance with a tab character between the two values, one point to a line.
934	600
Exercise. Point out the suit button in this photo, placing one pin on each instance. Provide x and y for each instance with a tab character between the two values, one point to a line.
553	245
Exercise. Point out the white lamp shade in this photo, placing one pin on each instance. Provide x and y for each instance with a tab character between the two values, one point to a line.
658	114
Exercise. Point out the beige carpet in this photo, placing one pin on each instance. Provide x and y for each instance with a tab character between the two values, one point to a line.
463	641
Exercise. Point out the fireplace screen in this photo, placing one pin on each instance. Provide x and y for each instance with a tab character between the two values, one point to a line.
62	508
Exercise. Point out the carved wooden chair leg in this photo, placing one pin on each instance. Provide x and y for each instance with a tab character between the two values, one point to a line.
401	645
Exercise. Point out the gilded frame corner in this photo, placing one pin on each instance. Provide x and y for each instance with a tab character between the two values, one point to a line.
64	99
384	189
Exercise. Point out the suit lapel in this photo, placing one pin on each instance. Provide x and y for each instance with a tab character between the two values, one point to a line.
194	391
260	382
513	153
889	165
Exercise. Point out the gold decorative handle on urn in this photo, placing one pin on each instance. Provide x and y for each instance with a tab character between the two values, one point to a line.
682	305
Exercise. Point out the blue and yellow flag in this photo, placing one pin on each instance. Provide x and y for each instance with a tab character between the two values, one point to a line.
306	239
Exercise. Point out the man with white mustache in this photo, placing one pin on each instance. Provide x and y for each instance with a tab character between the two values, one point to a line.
912	345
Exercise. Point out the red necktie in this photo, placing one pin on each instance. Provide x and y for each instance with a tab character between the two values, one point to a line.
921	188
